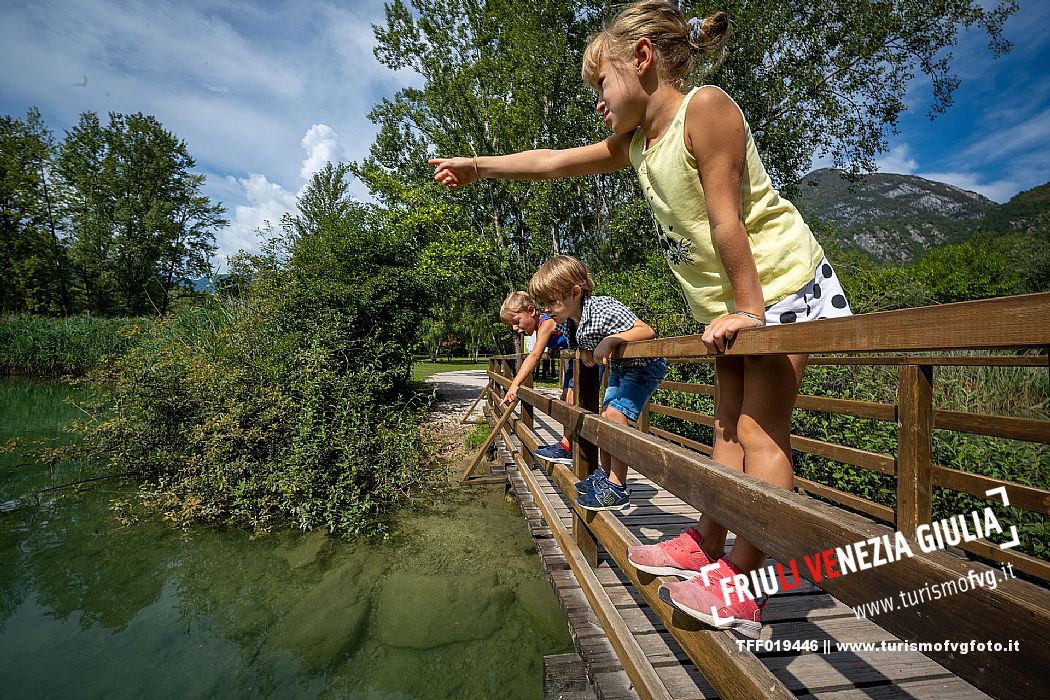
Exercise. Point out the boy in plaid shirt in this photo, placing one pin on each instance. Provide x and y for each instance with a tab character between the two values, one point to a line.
597	325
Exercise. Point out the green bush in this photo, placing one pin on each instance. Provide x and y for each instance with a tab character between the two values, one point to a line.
289	403
476	437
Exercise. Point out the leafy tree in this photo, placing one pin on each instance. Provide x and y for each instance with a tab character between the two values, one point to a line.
830	77
816	77
650	291
456	264
971	270
33	269
872	288
1028	255
325	200
487	92
137	221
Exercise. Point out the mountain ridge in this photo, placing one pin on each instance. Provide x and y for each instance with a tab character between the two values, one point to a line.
895	218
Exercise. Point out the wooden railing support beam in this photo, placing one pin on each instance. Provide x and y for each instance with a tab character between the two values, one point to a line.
914	447
584	452
754	509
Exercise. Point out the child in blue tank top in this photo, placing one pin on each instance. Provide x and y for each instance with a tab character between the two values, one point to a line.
519	311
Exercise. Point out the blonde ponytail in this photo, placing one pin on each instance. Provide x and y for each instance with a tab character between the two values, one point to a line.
675	41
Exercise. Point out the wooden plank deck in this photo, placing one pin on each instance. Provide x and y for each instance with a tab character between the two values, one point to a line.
802	614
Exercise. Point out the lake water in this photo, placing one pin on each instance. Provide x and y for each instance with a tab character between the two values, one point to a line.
100	598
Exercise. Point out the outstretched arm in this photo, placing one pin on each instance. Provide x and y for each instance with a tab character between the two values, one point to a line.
543	334
545	164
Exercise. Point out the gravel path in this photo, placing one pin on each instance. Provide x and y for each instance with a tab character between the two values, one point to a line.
457	390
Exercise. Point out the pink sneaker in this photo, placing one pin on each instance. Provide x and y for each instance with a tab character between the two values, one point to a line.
682	556
705	602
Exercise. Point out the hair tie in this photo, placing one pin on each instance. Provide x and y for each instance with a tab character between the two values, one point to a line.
696	31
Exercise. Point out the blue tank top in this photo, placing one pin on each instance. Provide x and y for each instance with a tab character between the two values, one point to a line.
558	339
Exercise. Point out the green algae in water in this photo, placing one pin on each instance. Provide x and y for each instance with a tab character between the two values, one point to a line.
456	606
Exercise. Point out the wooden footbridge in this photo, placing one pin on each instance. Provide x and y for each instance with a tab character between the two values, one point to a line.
970	642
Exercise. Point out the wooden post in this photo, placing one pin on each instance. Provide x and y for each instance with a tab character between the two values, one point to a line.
488	441
643	420
527	412
914	447
584	453
527	418
494	367
503	368
561	371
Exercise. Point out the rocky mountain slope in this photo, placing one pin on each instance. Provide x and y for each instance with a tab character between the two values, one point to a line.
896	218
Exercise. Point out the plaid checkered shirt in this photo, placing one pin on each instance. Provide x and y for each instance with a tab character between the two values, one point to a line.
601	317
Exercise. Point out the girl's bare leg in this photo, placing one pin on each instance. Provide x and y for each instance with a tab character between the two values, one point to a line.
729	394
771	385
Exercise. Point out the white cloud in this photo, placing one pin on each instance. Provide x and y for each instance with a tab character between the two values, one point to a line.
266	203
1031	133
239	82
897	160
322	146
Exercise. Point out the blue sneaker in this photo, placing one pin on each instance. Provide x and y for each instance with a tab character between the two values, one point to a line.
604	495
554	453
585	485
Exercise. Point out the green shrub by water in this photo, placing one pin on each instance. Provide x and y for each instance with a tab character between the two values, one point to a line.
45	346
289	403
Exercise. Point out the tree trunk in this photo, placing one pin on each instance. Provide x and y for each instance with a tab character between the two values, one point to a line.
63	273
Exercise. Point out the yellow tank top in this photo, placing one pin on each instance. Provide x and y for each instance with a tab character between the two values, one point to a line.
785	251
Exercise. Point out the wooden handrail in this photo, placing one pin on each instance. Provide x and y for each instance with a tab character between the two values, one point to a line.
1038	361
1005	322
754	509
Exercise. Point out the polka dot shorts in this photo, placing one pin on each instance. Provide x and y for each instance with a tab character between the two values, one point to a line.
821	298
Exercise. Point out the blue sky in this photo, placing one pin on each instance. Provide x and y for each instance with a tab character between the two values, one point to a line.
264	93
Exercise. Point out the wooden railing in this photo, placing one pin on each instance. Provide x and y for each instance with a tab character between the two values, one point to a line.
916	474
789	525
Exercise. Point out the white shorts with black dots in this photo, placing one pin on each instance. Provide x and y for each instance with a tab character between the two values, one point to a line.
821	298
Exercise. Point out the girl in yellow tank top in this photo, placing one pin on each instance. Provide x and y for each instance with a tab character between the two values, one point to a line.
742	255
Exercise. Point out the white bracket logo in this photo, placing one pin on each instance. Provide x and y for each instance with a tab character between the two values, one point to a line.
1001	492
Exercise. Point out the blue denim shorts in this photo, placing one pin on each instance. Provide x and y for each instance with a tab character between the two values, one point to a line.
631	387
567	383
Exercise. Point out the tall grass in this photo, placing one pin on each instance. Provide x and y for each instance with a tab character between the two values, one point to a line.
49	347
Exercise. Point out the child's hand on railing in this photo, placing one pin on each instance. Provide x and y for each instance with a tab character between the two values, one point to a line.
512	395
719	332
605	348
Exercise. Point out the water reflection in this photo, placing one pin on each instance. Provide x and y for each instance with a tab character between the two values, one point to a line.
457	606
